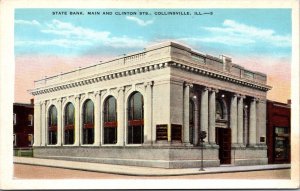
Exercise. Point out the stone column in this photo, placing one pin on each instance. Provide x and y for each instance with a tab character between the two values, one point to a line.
212	117
261	121
97	118
37	124
196	117
204	112
121	117
252	123
240	122
233	119
246	126
186	113
77	120
43	124
59	122
148	114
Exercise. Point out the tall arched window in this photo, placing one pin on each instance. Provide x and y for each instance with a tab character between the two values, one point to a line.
88	122
135	133
69	124
110	121
192	121
52	125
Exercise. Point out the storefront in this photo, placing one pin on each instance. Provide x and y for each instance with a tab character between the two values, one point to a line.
278	131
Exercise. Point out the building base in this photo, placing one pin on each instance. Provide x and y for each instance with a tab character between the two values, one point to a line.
246	156
179	157
154	156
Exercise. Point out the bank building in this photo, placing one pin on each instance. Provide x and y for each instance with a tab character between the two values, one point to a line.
148	108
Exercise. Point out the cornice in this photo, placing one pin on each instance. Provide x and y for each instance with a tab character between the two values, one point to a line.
142	69
221	76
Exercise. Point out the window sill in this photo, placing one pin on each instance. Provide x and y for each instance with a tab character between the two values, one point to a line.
133	145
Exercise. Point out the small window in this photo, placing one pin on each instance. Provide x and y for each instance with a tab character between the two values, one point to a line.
30	120
15	119
15	140
30	139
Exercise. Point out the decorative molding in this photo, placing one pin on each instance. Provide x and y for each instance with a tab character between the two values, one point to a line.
187	84
142	69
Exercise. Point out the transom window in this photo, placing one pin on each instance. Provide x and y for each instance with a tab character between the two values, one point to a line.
135	119
69	124
110	121
52	125
88	122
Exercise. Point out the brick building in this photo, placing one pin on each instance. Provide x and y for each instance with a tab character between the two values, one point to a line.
23	125
278	132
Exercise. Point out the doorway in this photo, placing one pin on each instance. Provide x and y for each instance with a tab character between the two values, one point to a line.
223	139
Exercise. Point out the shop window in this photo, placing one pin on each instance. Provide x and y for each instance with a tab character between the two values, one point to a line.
52	125
30	120
88	122
135	133
69	124
110	121
282	144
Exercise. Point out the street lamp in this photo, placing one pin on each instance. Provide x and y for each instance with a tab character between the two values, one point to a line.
202	136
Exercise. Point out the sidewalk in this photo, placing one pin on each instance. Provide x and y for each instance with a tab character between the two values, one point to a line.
141	171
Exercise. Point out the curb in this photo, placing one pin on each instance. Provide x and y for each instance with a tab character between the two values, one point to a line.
140	171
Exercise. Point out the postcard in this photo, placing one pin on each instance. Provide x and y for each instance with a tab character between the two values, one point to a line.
149	95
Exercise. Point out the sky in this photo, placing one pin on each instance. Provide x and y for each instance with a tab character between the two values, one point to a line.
51	41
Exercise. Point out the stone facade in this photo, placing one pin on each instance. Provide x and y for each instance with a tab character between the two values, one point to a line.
183	92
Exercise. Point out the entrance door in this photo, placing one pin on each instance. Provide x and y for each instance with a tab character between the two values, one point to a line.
223	136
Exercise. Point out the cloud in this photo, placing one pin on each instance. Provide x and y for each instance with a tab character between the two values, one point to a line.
240	34
68	30
55	42
68	35
25	22
139	21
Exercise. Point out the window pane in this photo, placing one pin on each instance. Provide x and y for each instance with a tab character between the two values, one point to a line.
137	104
89	112
53	116
70	114
30	120
219	110
112	109
135	133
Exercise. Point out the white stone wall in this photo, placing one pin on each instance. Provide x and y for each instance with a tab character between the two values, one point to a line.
168	76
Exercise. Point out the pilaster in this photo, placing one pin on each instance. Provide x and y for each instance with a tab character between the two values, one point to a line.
97	121
121	116
59	122
261	122
77	120
233	119
37	124
43	125
148	114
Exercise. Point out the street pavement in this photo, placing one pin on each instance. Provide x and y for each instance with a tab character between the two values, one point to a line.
25	171
143	171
